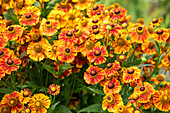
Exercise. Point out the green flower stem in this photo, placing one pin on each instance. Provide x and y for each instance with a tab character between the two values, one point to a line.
129	37
46	79
53	99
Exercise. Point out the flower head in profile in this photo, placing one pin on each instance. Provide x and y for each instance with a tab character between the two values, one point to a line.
40	102
155	22
13	32
161	35
97	54
149	47
54	89
93	74
83	4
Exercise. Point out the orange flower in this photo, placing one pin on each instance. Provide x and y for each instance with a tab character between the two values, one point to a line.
112	68
68	36
159	78
118	13
161	100
3	42
26	93
115	28
40	102
131	74
111	101
121	45
29	19
60	16
93	74
5	52
30	16
63	6
144	90
10	63
48	27
161	35
2	73
29	110
155	22
21	5
112	86
73	18
66	52
83	4
139	34
12	32
149	47
51	51
96	34
14	101
97	8
120	108
86	47
81	35
54	89
36	51
98	54
24	38
166	61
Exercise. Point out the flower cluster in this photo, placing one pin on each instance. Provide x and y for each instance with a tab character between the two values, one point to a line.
79	37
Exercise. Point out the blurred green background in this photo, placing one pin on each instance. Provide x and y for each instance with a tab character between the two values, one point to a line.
146	9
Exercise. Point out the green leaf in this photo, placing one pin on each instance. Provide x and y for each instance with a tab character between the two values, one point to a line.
157	47
138	61
49	69
146	65
66	66
67	90
21	86
6	91
9	15
51	109
92	108
100	92
43	90
22	55
37	4
62	109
